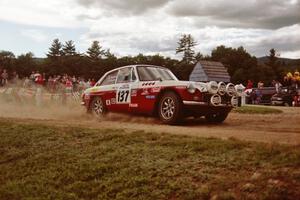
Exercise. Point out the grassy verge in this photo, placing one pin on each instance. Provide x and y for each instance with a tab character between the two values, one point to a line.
44	162
257	110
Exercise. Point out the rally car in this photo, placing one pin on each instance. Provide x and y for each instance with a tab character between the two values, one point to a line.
154	90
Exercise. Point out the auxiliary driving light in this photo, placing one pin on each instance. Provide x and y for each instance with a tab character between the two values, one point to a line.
230	89
212	87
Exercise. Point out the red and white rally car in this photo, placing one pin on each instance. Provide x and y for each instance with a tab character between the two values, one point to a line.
154	90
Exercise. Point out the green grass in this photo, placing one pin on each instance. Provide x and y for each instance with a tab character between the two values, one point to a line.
47	162
257	110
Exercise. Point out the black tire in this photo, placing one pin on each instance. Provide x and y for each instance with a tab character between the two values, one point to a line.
97	107
170	108
216	118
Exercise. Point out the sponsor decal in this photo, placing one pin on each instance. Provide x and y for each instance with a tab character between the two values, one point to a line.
113	100
133	93
125	86
148	84
150	97
133	105
180	87
155	89
145	91
196	98
107	102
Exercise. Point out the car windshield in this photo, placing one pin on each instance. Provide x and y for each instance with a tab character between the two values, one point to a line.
147	73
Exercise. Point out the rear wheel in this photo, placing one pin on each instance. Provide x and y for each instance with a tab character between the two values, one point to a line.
97	107
170	108
217	118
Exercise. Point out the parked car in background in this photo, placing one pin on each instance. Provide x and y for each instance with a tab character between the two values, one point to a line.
154	90
286	97
260	95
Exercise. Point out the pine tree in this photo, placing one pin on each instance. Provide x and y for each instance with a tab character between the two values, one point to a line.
186	46
198	57
69	48
95	52
55	50
274	64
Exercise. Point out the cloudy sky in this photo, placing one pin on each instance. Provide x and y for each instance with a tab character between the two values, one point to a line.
129	27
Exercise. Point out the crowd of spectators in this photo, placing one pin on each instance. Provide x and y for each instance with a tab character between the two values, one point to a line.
53	83
291	83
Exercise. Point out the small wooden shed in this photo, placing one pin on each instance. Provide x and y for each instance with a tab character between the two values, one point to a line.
205	71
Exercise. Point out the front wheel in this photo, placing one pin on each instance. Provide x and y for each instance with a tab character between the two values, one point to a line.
170	108
217	118
97	107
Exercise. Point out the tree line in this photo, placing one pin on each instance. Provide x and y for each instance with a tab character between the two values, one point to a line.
63	58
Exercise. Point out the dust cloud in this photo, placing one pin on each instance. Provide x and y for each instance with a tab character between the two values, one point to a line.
71	110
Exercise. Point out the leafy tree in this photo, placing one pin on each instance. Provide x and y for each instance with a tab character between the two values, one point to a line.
55	50
186	46
69	48
7	59
237	61
25	64
95	51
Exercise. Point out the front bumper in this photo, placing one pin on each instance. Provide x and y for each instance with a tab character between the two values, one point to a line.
197	103
273	102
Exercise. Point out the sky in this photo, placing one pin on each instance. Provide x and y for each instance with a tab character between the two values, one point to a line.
129	27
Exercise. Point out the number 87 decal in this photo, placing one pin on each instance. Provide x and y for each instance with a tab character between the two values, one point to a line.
123	95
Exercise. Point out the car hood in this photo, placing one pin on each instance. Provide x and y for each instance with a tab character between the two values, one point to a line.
202	87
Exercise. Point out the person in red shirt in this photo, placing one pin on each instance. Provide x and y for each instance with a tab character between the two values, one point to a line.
69	85
249	85
93	82
39	79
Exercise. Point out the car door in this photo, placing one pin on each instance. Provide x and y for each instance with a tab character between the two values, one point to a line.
107	88
125	89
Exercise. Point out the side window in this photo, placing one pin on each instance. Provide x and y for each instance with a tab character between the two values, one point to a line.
133	76
126	75
110	78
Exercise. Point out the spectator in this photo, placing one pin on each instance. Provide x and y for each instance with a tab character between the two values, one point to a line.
249	85
260	84
277	85
4	77
14	78
93	82
31	77
27	82
0	77
69	86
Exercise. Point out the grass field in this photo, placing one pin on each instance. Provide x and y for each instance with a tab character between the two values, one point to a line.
48	162
256	110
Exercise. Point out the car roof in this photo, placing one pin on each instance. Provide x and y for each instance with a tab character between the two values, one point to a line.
137	65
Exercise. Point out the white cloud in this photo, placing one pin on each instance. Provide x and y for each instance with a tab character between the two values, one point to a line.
52	13
251	13
35	35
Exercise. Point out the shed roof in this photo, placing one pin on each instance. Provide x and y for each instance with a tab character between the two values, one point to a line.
209	71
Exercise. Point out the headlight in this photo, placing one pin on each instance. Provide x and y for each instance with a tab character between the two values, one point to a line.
221	88
239	90
230	89
215	100
212	87
191	88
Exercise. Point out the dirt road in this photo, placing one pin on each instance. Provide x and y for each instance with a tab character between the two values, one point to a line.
279	128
